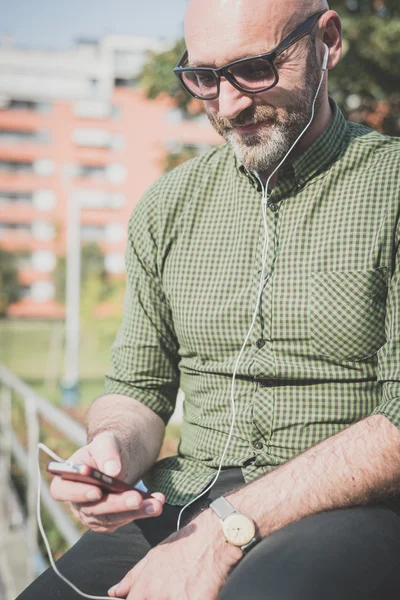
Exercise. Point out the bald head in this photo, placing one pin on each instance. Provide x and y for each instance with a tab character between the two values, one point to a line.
263	106
244	23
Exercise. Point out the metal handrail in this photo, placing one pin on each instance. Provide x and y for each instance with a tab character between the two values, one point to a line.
36	408
65	425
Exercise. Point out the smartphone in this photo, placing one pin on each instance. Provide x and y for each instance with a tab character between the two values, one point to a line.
86	474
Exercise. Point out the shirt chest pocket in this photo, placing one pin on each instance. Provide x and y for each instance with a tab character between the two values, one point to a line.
347	313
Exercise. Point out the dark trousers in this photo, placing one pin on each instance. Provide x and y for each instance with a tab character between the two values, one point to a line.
344	554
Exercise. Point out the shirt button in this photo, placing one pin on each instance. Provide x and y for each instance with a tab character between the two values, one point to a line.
272	206
300	182
258	445
260	343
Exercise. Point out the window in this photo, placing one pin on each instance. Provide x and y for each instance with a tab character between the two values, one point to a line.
20	228
44	200
116	173
92	109
118	141
44	261
114	263
40	167
42	107
116	112
92	233
97	199
16	198
97	138
17	135
92	171
92	138
42	291
25	291
121	82
43	230
96	109
114	232
13	166
44	167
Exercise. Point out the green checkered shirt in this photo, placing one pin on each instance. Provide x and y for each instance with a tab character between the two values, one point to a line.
325	349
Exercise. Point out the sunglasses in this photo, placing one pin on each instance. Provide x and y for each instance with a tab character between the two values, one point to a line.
251	75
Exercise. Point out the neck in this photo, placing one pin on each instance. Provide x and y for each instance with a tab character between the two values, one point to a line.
317	127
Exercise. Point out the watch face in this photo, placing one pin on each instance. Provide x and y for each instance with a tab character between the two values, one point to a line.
238	529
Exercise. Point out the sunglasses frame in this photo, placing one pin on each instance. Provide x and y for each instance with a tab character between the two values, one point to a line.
296	35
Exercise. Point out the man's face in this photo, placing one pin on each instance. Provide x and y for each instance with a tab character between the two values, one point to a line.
263	133
262	127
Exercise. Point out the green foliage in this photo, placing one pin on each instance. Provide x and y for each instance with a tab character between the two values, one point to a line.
366	83
174	159
10	288
157	76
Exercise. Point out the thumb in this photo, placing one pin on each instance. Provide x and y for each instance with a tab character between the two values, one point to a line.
122	589
104	449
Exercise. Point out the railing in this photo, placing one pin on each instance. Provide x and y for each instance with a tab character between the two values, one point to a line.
36	408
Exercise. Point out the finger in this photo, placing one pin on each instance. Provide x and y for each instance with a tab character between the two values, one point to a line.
73	491
159	496
105	451
122	589
110	522
121	503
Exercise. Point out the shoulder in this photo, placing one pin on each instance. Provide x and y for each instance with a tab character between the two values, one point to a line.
374	149
167	198
189	175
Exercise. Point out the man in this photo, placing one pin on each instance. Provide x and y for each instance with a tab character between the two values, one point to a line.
283	303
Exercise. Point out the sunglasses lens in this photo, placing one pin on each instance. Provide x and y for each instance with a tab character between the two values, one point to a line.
201	83
253	74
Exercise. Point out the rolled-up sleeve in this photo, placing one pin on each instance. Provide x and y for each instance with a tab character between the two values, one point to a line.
389	355
144	355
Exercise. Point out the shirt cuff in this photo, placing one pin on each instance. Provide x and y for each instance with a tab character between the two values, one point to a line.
390	405
161	403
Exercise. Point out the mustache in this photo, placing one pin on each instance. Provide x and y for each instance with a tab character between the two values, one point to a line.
249	116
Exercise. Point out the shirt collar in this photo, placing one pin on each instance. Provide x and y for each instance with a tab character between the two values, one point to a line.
319	155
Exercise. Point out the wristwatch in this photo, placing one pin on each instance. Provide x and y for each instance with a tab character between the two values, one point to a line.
238	529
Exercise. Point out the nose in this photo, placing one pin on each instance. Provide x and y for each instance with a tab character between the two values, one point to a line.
231	102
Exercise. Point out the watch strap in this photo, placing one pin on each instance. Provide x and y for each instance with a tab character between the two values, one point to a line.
222	508
247	547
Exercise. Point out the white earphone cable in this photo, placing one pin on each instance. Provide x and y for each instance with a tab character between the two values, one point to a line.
43	533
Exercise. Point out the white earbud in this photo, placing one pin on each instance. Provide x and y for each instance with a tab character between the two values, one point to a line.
326	58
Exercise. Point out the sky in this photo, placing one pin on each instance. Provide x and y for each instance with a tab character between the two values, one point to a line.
56	23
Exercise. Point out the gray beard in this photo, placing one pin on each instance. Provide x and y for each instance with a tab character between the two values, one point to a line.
257	154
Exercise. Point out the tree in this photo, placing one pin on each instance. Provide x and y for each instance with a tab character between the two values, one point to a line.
366	83
157	78
10	288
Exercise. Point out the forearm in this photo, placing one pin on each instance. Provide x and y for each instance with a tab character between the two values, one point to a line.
359	465
139	430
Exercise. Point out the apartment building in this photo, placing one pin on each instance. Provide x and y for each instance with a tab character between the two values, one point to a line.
74	128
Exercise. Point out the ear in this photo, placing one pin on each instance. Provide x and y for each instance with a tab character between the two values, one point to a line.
331	35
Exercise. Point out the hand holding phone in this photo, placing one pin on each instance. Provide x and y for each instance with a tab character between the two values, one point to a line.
99	500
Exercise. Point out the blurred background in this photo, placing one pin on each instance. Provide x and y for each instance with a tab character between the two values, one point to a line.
90	115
